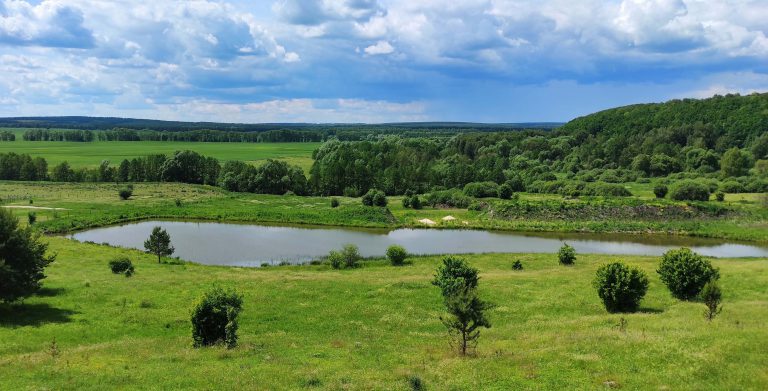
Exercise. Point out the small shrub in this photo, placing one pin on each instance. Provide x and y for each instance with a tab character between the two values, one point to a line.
660	191
31	218
125	193
407	202
396	255
711	296
416	202
415	383
620	287
689	190
335	259
177	202
685	273
334	203
566	255
481	189
374	198
505	191
214	318
720	196
122	265
351	255
517	265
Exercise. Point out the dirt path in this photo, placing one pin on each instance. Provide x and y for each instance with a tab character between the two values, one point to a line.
31	207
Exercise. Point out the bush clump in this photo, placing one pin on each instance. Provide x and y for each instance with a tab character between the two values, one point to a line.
481	189
375	198
517	265
122	265
396	255
31	218
334	203
620	287
689	190
348	257
712	296
453	198
566	255
660	191
685	273
125	193
720	196
214	318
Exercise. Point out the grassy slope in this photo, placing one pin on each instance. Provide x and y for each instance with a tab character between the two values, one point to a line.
91	154
89	205
372	327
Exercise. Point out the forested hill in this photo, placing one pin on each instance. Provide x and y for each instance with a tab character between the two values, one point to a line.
739	119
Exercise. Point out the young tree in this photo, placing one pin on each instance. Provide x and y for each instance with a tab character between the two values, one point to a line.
712	296
396	255
214	318
566	255
620	287
685	273
159	243
466	311
22	259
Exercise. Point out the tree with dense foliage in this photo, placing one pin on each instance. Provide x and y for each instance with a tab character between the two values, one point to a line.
685	273
620	287
214	318
22	259
566	255
159	243
735	163
458	282
374	198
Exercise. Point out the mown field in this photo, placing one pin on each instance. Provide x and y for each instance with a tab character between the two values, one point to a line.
375	327
93	153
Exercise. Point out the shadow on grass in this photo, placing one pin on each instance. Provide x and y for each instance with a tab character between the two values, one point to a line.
49	292
645	310
19	315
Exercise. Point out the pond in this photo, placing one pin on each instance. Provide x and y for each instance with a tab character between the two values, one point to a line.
252	245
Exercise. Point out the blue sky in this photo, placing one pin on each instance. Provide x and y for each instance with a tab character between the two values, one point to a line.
373	60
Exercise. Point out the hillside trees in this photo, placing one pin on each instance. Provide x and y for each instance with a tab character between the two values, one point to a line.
23	259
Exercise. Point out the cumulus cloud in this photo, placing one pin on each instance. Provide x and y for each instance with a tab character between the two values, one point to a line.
381	47
47	24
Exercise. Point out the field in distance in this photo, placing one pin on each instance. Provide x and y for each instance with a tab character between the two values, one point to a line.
92	153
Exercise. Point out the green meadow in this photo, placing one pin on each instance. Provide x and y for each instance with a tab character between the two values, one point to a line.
376	327
92	153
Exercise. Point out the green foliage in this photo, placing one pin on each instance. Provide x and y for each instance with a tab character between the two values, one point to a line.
517	265
22	259
349	257
122	265
711	295
31	218
125	193
481	189
159	243
566	255
505	191
374	198
685	273
396	255
335	259
458	282
620	287
720	196
272	177
214	318
448	198
660	191
735	163
334	202
689	190
415	383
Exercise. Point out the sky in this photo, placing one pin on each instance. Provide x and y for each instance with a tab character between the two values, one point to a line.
373	61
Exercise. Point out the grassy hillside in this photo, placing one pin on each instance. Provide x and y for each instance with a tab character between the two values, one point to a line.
92	153
310	327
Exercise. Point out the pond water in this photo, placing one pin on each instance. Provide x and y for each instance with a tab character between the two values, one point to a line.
252	245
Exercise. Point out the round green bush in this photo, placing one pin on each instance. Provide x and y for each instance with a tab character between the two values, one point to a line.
481	189
566	255
121	265
660	191
685	273
125	193
505	191
517	265
720	196
620	287
374	198
334	203
396	255
214	318
689	190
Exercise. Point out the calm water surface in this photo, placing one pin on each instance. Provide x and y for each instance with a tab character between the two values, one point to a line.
252	245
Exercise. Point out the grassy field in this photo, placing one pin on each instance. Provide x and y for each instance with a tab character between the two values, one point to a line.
64	207
311	327
91	154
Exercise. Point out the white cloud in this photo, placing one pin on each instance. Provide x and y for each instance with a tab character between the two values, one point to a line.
381	47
